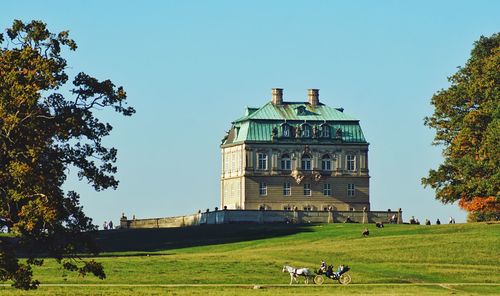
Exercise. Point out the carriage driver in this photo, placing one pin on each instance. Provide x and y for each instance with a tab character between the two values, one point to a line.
322	268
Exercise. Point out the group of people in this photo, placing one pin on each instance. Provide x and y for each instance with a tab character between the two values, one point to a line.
428	222
107	225
328	270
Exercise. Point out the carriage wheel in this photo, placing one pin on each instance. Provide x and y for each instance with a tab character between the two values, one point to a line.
319	280
345	279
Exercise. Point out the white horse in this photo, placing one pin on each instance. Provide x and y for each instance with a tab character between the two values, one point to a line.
294	272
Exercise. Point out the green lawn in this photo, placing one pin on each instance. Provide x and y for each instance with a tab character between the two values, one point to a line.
254	255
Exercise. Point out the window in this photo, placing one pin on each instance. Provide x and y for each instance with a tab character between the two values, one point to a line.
227	167
326	163
325	131
262	188
286	130
287	208
306	162
306	131
327	189
262	208
350	190
350	162
286	164
262	161
307	208
287	189
307	189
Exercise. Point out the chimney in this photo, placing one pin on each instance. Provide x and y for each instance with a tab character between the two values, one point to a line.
313	96
277	96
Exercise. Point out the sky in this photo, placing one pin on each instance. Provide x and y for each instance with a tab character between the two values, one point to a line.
191	67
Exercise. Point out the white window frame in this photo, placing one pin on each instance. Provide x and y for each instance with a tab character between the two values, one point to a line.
262	188
326	163
286	163
287	189
327	189
307	208
325	131
286	131
262	161
351	190
307	189
306	131
305	163
350	162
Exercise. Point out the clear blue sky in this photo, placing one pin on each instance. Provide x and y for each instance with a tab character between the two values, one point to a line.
190	68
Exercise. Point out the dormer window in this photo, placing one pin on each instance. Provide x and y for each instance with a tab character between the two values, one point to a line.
301	110
325	131
285	130
306	131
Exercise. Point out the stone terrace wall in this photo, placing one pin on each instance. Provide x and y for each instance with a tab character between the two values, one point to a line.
255	216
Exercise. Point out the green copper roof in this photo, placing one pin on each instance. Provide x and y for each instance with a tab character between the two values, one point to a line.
258	123
288	111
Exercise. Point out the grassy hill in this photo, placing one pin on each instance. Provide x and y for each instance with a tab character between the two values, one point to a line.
398	259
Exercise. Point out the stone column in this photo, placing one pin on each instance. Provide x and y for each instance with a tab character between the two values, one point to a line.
124	222
296	216
274	166
330	215
365	215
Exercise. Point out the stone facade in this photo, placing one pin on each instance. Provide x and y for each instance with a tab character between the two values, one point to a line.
295	156
255	216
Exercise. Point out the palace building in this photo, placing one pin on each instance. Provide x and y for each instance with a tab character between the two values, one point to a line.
295	156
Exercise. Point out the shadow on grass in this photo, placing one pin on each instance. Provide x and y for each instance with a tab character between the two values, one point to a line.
161	239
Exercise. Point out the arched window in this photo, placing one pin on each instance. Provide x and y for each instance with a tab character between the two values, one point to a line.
286	163
306	162
285	130
326	163
325	131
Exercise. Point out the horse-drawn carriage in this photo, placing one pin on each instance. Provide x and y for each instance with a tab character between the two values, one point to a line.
318	277
341	275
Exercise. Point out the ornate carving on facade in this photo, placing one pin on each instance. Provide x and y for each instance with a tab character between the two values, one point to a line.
338	133
275	132
298	131
297	176
315	132
317	176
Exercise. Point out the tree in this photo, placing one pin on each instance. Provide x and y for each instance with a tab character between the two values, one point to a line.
467	123
44	131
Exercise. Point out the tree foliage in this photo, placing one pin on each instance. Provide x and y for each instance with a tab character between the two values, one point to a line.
45	130
467	123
